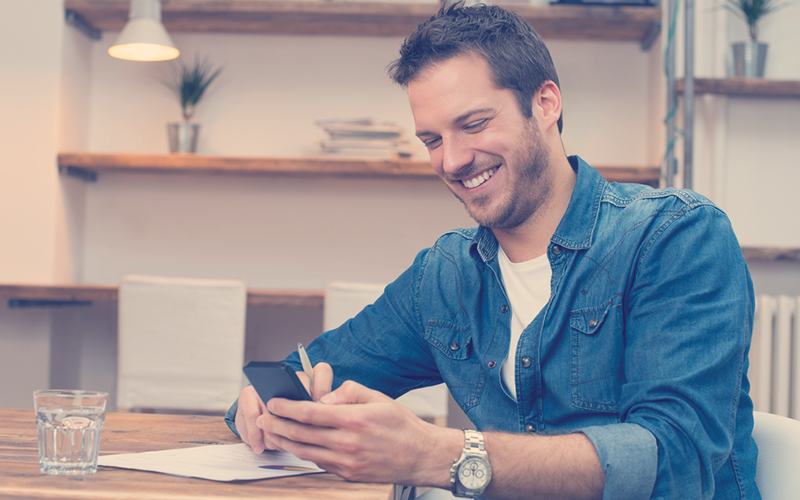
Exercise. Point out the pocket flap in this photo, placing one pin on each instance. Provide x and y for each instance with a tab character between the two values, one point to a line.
453	341
591	321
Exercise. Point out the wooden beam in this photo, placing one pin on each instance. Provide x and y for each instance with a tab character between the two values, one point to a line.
589	22
766	254
107	293
60	293
744	87
617	23
75	293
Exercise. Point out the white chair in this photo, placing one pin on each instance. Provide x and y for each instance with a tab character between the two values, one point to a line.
345	300
181	344
778	467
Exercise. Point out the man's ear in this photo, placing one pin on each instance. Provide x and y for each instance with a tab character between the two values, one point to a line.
547	104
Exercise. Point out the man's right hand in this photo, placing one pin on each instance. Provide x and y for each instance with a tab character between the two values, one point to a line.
251	407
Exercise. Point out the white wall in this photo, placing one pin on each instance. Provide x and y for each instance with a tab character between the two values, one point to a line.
31	39
30	53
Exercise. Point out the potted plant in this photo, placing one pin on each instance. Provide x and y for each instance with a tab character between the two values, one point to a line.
749	58
189	85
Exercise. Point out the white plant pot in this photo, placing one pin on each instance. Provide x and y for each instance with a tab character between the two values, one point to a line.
749	59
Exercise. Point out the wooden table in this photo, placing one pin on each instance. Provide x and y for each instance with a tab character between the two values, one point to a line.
132	432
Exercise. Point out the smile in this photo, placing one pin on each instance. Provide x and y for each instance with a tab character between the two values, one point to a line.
479	179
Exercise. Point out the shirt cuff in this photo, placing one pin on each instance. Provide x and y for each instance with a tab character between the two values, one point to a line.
629	456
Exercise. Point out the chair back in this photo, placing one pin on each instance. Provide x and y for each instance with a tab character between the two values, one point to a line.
778	467
342	302
181	343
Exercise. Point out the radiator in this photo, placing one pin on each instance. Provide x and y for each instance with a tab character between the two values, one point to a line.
775	356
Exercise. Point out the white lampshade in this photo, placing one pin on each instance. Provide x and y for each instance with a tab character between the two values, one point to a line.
144	38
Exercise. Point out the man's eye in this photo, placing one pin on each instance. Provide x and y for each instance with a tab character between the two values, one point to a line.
431	142
475	126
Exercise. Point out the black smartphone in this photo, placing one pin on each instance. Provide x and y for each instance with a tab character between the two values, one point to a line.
275	380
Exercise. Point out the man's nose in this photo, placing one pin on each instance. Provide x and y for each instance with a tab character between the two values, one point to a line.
456	154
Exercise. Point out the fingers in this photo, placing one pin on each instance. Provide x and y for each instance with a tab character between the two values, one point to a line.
354	393
250	409
323	380
326	414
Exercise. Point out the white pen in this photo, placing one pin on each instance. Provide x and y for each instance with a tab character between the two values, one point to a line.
306	366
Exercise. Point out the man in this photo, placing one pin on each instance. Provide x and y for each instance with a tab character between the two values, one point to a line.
596	333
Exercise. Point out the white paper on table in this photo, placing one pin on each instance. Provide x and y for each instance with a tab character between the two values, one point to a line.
224	462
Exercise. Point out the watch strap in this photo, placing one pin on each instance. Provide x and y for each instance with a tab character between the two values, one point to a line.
473	441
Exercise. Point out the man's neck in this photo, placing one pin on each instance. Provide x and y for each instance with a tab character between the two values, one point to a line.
531	238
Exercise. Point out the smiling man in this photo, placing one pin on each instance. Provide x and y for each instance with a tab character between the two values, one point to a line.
596	334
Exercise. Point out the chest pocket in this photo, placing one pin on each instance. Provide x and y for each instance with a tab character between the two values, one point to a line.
596	358
453	349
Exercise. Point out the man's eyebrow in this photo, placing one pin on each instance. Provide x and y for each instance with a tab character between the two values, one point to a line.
468	114
459	119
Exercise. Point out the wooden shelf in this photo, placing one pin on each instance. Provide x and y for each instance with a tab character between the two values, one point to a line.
209	164
88	165
617	23
62	295
743	87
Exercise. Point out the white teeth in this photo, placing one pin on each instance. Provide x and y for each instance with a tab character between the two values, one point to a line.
479	179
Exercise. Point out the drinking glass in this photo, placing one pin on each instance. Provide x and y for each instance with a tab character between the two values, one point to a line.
69	425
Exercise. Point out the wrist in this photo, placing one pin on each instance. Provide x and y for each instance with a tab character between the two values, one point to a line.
442	448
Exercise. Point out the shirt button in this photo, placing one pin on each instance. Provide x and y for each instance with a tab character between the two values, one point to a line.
491	364
592	323
504	308
530	428
454	346
556	249
526	362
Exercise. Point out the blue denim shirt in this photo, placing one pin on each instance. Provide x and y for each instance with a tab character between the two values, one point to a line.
642	346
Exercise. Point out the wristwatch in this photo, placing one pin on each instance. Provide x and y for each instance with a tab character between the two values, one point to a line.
471	473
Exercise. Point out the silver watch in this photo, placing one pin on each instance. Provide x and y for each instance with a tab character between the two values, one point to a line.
471	473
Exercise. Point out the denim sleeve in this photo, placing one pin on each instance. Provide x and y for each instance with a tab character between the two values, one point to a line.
689	317
629	456
383	346
230	418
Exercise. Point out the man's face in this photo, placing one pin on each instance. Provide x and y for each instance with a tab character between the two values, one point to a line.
490	155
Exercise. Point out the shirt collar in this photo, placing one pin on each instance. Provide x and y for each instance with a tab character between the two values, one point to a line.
576	228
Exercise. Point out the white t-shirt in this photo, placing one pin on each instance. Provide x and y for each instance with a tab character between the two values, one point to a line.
528	287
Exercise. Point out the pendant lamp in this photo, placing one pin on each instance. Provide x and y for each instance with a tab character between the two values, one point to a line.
144	38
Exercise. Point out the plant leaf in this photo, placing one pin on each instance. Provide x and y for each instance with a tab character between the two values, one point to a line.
190	83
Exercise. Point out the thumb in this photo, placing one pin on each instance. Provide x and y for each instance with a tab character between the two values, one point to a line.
353	393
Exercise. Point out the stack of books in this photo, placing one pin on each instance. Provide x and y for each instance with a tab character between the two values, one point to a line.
364	138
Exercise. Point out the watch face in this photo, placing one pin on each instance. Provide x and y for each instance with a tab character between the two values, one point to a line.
473	474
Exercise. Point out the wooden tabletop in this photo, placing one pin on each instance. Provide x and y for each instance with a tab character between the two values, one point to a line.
131	432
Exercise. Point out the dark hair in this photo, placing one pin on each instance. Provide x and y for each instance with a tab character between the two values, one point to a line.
517	56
